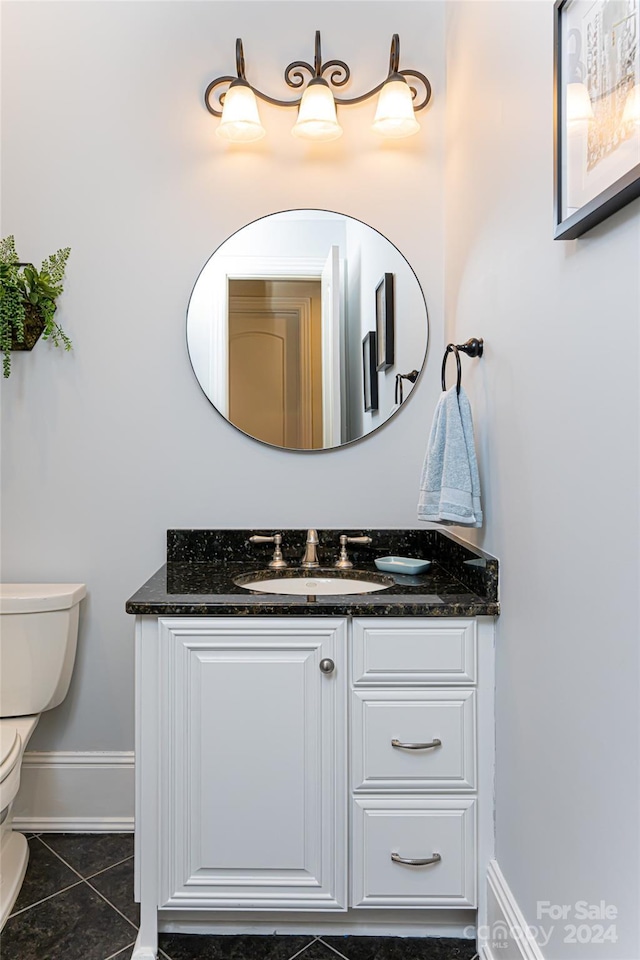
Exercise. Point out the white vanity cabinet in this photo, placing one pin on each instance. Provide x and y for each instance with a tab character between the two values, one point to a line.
277	770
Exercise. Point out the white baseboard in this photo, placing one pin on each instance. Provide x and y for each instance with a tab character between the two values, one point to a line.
76	792
508	936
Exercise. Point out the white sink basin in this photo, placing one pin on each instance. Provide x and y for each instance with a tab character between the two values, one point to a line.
310	585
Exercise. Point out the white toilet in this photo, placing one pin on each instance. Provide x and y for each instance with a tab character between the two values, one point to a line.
38	637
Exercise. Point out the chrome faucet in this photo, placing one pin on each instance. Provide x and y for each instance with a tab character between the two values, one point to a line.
310	558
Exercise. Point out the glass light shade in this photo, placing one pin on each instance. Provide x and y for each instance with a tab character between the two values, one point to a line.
395	117
240	121
631	113
317	118
578	103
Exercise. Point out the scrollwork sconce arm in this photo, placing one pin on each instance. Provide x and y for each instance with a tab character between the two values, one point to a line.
339	76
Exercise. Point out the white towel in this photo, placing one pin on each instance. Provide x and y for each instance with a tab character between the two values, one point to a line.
450	483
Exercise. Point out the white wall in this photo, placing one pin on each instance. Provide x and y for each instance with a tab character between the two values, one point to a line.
556	407
107	147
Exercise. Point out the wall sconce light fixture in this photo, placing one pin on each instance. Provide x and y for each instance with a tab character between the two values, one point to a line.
578	103
631	112
317	119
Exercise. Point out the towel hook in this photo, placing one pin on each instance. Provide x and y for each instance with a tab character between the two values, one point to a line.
412	377
473	348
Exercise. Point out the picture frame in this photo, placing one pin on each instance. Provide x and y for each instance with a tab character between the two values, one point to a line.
596	112
385	322
369	372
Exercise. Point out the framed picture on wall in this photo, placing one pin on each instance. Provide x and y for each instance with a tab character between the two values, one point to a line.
385	322
597	111
369	373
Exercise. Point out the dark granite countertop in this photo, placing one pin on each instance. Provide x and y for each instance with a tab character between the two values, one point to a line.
198	577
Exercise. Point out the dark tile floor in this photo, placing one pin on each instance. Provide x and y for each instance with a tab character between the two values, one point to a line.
76	903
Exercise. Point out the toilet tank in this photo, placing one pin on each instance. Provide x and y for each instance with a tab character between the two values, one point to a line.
38	637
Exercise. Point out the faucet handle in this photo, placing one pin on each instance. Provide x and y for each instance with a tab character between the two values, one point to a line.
343	562
278	561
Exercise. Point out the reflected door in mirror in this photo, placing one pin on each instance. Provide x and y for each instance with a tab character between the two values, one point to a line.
275	361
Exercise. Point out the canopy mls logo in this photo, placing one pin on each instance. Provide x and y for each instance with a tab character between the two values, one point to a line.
499	934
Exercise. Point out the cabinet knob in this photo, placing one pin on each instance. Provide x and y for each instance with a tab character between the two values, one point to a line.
327	666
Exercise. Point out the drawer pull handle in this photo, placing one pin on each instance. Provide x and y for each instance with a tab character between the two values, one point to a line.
436	858
416	746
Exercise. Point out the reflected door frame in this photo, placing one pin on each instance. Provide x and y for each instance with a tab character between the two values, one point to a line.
244	268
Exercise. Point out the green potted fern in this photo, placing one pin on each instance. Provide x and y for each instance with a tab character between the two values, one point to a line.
28	301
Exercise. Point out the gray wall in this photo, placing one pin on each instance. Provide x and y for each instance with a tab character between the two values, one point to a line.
556	408
107	147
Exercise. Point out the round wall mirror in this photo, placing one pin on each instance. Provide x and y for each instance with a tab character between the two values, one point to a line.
299	326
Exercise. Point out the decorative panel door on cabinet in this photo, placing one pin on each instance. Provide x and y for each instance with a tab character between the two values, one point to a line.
252	770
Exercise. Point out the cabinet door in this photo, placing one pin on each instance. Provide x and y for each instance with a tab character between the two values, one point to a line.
252	764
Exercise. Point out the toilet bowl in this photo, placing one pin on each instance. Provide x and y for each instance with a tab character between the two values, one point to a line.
14	850
38	638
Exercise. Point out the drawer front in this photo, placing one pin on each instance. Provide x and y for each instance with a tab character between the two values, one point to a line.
407	651
414	829
384	719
